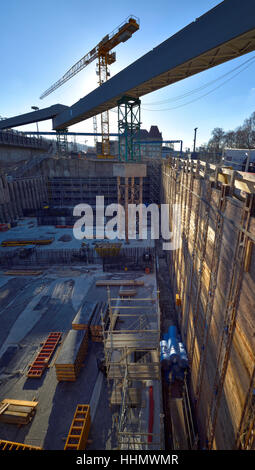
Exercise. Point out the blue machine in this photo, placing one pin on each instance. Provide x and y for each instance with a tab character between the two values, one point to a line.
173	355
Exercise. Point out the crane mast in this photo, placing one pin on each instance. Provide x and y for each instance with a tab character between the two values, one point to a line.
102	53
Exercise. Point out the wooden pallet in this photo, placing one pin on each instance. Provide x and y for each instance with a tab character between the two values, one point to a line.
17	411
72	355
9	445
43	357
78	434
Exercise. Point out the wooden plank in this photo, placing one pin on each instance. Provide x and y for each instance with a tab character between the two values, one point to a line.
119	282
248	255
20	402
16	413
20	409
15	417
133	397
178	424
135	371
3	407
133	340
23	273
125	292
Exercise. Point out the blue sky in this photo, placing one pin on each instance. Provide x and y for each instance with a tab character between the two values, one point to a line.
41	40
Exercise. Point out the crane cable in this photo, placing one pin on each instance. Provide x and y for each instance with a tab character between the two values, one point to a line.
241	66
205	94
202	87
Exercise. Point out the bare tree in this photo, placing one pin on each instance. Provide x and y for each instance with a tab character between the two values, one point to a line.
242	137
216	142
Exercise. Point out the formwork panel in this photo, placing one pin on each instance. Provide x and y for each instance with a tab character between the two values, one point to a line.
218	302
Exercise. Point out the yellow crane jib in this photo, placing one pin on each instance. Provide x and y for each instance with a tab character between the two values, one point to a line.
105	58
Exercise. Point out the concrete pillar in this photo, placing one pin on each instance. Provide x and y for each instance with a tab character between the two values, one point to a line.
2	216
36	186
2	192
13	200
6	213
37	191
132	189
7	206
45	190
40	191
24	194
33	193
18	198
126	209
141	190
21	192
30	185
29	195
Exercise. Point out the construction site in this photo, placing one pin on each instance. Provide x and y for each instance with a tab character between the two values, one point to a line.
121	343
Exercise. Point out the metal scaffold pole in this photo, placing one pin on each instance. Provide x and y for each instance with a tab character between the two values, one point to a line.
132	359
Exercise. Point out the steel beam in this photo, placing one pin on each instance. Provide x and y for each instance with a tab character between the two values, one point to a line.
34	116
231	24
223	33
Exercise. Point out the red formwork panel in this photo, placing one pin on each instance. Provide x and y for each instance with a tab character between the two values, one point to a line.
42	359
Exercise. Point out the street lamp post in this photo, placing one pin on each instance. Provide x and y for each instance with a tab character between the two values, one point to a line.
195	137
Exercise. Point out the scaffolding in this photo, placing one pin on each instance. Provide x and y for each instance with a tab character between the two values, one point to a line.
154	171
131	348
62	143
129	124
212	274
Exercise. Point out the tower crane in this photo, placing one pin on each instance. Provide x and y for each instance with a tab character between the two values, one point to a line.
105	57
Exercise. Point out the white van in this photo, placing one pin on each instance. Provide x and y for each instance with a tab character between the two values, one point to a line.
237	159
